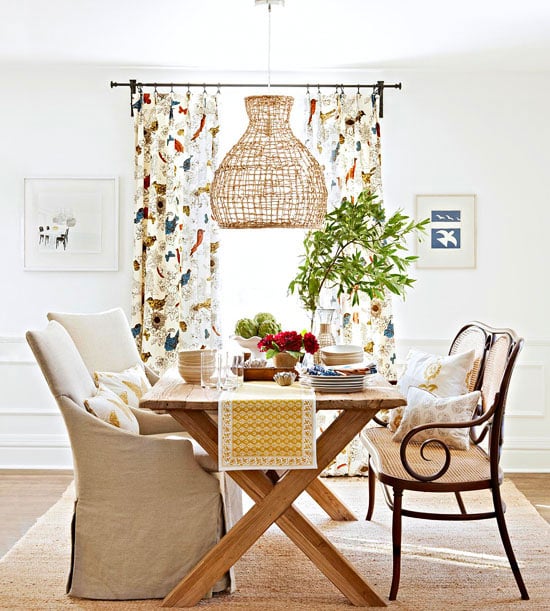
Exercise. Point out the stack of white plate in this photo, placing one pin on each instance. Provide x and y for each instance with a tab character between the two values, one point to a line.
336	384
189	364
341	354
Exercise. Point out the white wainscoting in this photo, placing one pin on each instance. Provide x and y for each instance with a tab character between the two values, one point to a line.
33	436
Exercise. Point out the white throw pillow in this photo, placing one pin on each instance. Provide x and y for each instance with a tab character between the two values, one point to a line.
444	376
107	406
424	407
130	385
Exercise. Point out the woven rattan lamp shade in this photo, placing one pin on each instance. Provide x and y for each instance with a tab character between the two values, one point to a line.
269	178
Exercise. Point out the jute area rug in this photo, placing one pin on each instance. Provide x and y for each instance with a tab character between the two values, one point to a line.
445	565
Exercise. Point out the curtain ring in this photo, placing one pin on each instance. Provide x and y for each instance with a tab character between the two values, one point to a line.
218	91
171	87
318	89
358	90
307	89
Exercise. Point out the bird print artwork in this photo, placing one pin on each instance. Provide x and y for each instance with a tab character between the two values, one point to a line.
136	330
204	189
171	341
185	278
200	128
446	238
389	331
187	164
170	225
312	107
140	215
327	115
159	188
445	216
156	304
149	240
198	242
169	255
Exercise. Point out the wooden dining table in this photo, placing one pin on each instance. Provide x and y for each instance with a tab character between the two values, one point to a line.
273	495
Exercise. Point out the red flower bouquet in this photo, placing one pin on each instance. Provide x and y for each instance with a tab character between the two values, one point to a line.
289	341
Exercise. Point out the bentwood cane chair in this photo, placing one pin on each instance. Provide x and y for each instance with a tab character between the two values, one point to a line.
405	466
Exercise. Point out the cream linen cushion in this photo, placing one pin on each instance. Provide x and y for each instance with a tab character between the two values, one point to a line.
129	385
444	376
111	409
424	407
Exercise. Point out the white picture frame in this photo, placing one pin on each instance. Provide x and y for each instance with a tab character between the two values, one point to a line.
450	240
71	224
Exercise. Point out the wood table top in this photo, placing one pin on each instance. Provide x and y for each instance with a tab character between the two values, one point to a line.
171	392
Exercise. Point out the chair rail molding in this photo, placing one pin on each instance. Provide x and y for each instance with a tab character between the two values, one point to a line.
33	436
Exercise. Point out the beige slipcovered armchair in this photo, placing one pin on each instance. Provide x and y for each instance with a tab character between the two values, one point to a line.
105	343
147	507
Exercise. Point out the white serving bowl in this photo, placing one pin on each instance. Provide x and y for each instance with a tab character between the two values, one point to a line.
250	344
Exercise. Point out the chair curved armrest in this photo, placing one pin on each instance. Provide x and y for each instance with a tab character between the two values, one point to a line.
434	441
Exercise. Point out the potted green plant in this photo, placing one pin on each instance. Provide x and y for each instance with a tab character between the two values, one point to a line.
357	251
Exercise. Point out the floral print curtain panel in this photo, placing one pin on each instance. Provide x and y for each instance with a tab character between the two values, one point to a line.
343	132
175	283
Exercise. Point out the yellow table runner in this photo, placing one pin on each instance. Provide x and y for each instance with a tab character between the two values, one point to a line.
265	426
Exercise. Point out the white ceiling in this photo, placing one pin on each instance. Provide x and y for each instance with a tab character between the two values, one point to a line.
306	34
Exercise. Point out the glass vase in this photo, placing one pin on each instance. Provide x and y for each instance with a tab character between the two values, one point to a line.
323	330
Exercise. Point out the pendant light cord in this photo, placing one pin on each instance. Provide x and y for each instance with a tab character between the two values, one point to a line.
269	45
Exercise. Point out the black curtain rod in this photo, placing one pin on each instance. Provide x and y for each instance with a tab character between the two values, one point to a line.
378	87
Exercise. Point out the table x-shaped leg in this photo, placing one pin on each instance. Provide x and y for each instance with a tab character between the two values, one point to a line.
274	504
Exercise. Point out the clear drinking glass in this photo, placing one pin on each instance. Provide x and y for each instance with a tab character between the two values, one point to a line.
235	372
211	369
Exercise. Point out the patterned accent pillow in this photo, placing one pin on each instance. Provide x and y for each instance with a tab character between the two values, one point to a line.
107	406
444	376
424	407
130	385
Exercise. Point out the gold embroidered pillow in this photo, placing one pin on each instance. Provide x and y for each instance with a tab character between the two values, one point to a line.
130	385
424	407
107	406
444	376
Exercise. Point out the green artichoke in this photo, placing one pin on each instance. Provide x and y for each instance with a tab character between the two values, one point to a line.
263	317
269	327
246	328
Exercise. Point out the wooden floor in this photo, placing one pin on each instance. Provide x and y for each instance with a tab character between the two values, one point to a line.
25	496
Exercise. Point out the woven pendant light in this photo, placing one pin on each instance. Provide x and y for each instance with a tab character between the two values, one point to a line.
269	178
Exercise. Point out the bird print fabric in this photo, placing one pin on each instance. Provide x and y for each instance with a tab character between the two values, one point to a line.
343	133
175	299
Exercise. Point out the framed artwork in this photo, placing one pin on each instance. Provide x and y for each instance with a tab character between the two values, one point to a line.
71	224
451	234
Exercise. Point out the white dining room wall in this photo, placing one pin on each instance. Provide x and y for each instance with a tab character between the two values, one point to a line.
481	133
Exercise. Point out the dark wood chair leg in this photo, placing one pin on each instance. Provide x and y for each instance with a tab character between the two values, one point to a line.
460	502
507	543
396	540
372	491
